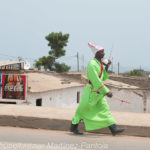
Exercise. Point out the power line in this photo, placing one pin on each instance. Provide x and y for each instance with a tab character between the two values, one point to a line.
7	55
10	56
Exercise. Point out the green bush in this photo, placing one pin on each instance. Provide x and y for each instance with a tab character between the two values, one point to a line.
135	72
61	67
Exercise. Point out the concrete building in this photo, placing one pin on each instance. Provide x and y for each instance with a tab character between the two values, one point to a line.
53	90
13	65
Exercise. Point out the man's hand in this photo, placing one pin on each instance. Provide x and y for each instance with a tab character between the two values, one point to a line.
109	94
109	62
107	66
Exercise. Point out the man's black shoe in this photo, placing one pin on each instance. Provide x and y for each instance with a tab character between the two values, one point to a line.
115	130
74	129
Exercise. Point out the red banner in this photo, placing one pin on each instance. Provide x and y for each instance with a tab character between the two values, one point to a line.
14	86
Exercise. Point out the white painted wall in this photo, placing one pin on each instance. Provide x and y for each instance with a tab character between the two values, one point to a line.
129	95
67	98
148	102
64	98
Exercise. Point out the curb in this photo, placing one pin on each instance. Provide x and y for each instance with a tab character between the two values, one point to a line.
64	125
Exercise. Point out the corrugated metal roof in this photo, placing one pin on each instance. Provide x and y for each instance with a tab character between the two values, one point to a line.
5	63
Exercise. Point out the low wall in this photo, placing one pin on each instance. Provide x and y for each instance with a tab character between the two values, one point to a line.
136	81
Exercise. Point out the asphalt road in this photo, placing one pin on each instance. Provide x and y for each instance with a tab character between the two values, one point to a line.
37	139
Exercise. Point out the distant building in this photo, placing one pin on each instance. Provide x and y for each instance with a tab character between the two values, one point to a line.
14	65
50	89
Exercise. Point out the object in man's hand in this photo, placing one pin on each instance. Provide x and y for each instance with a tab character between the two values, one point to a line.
109	62
125	101
105	61
121	100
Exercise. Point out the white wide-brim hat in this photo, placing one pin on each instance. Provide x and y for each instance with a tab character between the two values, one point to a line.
95	48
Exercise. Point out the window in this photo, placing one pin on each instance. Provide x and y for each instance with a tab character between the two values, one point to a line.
39	102
78	96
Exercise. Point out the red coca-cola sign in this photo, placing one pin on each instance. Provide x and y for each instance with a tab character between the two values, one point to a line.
14	86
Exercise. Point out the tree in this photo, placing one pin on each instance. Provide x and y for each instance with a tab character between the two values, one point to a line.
46	62
61	67
57	42
38	64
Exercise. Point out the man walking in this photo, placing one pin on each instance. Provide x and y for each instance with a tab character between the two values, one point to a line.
93	109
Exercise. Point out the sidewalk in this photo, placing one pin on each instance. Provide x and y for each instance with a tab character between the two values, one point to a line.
136	124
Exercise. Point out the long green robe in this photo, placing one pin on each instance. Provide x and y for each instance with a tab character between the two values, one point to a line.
93	109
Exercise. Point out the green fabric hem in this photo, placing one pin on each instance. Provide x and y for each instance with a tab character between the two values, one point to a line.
90	129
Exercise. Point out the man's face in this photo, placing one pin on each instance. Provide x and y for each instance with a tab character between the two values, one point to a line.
100	54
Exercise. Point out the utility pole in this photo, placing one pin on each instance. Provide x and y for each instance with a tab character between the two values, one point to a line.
77	61
112	64
118	67
140	68
83	63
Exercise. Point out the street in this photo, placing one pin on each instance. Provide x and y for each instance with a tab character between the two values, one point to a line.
36	139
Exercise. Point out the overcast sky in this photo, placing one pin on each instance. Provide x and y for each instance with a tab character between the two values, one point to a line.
117	25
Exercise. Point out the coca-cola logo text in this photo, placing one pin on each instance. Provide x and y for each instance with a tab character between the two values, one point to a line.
14	88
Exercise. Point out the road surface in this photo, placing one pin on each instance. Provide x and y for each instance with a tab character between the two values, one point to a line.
37	139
